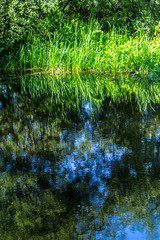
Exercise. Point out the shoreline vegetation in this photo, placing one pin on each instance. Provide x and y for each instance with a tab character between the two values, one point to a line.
89	48
117	39
78	36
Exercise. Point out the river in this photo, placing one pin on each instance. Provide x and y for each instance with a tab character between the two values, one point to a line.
77	172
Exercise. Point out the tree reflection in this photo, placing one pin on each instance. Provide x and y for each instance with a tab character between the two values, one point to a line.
81	177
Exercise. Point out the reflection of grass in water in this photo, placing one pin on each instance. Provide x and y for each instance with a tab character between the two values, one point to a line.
73	90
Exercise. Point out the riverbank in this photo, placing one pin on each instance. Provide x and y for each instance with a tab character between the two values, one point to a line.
87	48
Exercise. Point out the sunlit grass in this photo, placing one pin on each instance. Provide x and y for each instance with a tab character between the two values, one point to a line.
85	47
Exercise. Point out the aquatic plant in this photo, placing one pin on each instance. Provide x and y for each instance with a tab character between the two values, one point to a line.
85	47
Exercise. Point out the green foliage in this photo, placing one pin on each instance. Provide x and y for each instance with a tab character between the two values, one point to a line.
17	18
79	47
44	18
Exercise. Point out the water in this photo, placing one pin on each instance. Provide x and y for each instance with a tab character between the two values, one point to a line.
83	174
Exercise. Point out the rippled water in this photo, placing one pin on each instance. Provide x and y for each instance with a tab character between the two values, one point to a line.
80	176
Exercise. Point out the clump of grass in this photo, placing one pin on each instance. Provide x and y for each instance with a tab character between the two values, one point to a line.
87	48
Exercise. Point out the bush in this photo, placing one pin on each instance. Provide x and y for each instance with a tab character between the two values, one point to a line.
18	17
43	18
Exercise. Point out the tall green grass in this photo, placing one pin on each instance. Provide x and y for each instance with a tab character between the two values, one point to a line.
85	47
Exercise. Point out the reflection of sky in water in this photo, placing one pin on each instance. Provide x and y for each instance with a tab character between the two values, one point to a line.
88	160
0	106
137	234
3	89
87	108
93	164
128	234
119	227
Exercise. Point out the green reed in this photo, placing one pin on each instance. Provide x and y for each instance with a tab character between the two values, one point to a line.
85	47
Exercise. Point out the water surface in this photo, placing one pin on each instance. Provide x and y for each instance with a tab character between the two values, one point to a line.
68	173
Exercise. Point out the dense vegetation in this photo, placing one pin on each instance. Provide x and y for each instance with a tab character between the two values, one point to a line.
80	35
